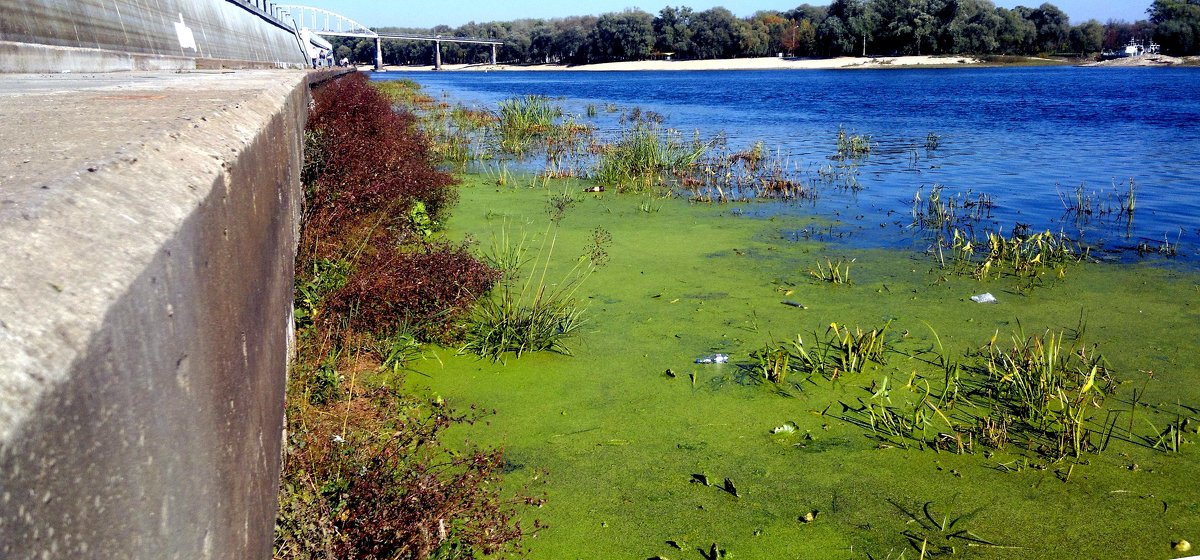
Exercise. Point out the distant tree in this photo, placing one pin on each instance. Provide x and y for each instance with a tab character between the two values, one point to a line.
541	43
1053	28
801	38
972	28
849	24
814	14
907	25
364	51
1016	34
673	31
1087	37
628	35
571	39
717	33
769	30
1119	33
1177	25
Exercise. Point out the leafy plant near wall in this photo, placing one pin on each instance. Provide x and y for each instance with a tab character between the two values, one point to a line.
366	473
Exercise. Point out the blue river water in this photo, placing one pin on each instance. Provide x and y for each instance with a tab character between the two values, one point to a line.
1026	137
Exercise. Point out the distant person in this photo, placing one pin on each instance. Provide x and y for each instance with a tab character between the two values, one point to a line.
345	61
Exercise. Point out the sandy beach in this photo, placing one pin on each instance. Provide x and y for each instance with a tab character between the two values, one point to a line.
762	63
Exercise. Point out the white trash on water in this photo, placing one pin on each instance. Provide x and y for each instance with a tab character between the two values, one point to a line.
985	298
713	359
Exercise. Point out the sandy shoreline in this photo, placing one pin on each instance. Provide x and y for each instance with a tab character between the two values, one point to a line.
763	63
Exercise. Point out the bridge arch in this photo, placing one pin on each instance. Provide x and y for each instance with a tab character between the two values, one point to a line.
325	22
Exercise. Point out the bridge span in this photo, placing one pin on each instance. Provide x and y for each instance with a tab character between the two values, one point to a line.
330	24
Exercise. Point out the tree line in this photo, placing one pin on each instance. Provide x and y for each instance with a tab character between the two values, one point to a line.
843	28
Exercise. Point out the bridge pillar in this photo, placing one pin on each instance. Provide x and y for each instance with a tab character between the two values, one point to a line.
378	53
493	54
437	55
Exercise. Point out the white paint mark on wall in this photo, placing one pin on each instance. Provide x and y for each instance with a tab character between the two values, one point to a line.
187	40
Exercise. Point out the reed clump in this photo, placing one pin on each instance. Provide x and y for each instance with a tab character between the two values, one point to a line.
529	312
1029	257
642	157
832	272
521	120
852	145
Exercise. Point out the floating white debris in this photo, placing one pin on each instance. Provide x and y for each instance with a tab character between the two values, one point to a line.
788	428
985	298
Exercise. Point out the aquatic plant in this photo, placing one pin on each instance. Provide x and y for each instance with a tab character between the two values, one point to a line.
641	158
852	145
855	347
722	175
532	314
1048	387
932	141
1029	257
522	119
939	212
1083	205
1164	249
832	272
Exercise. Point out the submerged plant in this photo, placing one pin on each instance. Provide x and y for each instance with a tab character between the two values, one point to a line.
932	141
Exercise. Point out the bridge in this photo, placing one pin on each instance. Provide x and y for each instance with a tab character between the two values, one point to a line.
330	24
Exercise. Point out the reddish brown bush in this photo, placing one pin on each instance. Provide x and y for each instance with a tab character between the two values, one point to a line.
366	474
370	156
423	290
374	481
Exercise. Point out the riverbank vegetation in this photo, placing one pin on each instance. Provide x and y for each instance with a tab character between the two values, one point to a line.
844	27
368	471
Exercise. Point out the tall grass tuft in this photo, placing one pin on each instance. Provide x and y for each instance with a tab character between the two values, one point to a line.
523	119
642	157
529	313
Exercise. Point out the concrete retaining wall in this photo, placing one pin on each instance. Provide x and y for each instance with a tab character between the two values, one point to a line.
146	276
115	35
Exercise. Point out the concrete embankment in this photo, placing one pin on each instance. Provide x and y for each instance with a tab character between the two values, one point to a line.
148	225
116	35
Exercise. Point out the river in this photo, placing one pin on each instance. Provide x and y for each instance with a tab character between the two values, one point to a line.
1027	137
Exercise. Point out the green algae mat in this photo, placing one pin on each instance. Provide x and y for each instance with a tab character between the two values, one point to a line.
917	451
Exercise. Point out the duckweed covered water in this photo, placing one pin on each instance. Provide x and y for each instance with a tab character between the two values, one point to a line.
620	447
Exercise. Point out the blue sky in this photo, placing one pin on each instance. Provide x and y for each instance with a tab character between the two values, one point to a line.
375	13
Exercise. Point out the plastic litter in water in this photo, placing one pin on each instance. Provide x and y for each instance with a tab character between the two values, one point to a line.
985	298
713	359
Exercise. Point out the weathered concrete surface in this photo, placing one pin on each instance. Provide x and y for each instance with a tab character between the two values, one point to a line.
147	232
116	35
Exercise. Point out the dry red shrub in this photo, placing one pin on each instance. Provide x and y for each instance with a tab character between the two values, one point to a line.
424	289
